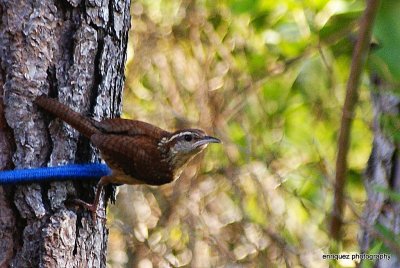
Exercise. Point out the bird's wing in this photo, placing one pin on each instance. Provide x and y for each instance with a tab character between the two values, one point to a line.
137	156
129	127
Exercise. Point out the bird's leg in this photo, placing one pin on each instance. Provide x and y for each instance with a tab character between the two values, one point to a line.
94	206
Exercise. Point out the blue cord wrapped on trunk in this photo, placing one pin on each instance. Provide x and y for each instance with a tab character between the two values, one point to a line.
67	172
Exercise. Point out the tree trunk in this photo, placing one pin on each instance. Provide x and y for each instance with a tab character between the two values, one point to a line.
381	219
75	51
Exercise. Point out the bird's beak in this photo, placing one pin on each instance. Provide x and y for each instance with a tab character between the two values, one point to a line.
206	140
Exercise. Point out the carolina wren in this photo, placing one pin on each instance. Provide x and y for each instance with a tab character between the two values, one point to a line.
137	152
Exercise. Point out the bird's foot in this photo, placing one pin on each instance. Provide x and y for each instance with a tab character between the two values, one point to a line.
93	208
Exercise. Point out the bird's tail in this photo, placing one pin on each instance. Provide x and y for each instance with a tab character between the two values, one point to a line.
81	123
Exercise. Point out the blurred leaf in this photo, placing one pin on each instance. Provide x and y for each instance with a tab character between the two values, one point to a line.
237	134
254	211
339	25
387	31
391	126
312	80
394	196
375	249
260	21
388	234
243	6
354	177
339	32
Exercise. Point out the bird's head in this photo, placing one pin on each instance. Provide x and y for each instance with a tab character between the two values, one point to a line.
184	144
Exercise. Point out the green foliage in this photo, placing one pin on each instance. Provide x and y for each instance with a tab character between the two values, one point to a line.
388	234
338	25
338	33
391	126
394	196
387	33
375	249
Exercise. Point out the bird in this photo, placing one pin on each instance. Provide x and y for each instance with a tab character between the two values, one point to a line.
136	152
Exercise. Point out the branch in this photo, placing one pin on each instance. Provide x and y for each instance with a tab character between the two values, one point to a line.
359	58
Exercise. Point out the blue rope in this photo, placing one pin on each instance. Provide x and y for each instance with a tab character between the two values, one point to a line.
67	172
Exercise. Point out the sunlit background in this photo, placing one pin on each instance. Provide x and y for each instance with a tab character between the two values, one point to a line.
268	78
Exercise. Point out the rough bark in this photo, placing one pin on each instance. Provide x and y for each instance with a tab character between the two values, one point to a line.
74	50
382	173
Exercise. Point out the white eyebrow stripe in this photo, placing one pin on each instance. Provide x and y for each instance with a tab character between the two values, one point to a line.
181	134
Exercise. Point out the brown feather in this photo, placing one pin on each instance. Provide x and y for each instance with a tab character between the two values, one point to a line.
81	123
135	155
130	127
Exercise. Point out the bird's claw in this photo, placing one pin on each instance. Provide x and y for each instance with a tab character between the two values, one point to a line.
93	208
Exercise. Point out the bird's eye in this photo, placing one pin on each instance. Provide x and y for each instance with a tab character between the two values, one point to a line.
188	137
